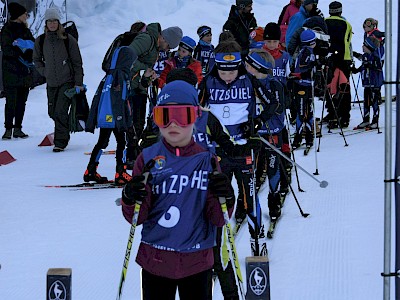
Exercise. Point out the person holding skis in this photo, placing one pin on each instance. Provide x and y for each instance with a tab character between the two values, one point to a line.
176	253
372	79
302	90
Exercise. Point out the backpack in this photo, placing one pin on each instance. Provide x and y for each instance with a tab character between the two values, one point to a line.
125	39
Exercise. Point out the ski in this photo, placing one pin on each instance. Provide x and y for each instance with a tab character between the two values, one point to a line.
96	187
237	228
82	185
307	150
107	152
272	224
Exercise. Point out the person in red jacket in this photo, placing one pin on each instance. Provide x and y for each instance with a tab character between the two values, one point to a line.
182	59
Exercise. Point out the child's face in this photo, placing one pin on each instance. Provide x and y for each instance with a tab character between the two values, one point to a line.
183	52
228	76
177	136
271	44
207	38
251	69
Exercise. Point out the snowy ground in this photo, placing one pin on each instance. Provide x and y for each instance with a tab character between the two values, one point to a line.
335	253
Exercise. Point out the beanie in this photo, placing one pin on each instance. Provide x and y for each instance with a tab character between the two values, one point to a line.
172	35
52	13
306	2
179	92
335	7
370	44
272	31
243	3
15	9
203	31
257	35
187	43
308	37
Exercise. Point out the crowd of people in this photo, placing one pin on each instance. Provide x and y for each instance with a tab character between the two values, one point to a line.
208	107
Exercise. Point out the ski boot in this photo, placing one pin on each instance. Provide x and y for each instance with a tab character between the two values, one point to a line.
374	124
92	175
121	176
364	124
274	205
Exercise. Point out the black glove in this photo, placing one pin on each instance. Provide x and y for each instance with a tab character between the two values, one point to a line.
250	127
27	55
357	55
220	185
134	191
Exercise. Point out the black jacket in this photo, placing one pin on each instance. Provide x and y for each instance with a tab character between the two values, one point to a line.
240	26
15	73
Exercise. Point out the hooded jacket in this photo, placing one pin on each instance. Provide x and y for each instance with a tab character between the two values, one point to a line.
145	45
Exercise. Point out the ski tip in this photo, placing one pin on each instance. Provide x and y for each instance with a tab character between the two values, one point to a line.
323	184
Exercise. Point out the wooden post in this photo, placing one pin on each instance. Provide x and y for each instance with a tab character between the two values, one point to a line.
59	284
257	273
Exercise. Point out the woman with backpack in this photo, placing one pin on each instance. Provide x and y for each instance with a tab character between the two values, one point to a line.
57	57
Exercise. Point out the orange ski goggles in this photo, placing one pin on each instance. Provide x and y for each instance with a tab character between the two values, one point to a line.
183	115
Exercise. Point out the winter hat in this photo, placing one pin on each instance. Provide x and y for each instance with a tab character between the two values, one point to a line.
228	61
203	31
187	43
257	62
370	22
272	31
308	37
172	36
335	7
257	35
15	9
179	92
52	13
370	44
306	2
243	3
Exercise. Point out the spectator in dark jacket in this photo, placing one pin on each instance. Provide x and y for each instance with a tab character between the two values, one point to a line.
16	44
241	22
63	70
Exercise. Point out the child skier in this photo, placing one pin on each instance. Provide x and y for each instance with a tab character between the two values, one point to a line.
176	252
303	93
182	59
111	112
281	71
372	80
204	50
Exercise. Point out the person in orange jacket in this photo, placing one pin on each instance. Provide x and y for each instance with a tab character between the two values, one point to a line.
182	59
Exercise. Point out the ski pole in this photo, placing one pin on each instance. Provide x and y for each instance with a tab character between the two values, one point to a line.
356	92
146	173
322	184
325	76
315	122
294	159
304	215
231	240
